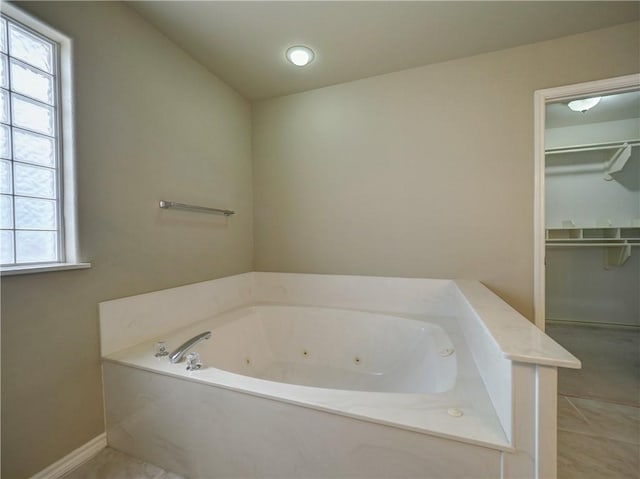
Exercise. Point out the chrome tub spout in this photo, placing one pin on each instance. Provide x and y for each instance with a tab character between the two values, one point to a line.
177	355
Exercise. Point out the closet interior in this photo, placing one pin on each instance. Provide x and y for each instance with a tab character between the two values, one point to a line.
592	211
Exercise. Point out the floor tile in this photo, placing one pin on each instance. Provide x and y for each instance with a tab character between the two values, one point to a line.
112	464
570	418
612	421
610	361
581	456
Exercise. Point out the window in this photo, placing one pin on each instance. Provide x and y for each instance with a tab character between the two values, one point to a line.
37	216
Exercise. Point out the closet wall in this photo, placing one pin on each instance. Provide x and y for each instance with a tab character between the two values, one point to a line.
582	283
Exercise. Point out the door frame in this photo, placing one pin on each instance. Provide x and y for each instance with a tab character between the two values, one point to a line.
541	98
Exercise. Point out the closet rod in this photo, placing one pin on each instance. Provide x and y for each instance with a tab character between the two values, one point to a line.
591	147
200	209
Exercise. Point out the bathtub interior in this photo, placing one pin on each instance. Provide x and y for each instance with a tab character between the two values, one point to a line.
394	402
333	348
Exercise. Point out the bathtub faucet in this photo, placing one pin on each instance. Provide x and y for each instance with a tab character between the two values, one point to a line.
177	355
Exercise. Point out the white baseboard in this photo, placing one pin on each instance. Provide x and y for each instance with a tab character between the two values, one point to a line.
73	459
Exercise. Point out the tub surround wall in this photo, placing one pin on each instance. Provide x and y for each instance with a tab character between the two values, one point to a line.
514	336
397	295
129	321
519	378
495	369
248	436
511	354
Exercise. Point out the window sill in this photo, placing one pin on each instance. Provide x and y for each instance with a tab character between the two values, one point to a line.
41	268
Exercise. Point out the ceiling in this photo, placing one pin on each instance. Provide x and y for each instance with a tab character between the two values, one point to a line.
243	42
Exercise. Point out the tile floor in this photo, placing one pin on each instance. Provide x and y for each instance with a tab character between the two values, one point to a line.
599	405
610	361
112	464
597	440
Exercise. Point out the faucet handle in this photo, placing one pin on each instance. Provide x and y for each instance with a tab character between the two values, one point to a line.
161	349
193	361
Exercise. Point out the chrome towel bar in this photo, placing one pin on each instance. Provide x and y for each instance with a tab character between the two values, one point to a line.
202	209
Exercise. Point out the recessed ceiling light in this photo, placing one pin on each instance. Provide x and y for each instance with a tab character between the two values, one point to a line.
300	55
584	104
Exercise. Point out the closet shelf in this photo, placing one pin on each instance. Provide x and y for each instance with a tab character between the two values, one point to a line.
616	241
608	235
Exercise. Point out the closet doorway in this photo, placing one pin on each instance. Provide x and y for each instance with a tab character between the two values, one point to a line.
587	270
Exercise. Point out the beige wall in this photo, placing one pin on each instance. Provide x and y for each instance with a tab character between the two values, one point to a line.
151	124
424	172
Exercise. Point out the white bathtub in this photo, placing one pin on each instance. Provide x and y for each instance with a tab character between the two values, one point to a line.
332	376
332	348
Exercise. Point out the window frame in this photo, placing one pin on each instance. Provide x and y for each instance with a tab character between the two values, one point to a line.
65	124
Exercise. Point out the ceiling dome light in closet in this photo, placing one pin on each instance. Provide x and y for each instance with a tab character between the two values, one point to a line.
584	104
